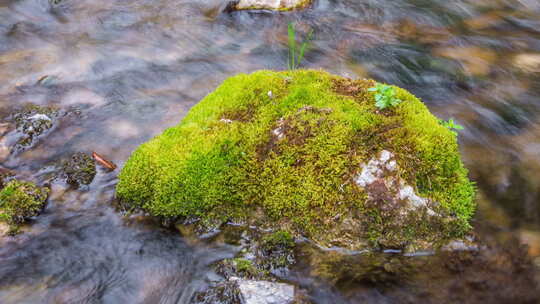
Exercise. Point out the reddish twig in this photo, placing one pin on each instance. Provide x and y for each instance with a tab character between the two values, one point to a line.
103	162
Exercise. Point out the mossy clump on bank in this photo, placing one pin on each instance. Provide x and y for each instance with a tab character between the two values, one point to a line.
301	151
19	201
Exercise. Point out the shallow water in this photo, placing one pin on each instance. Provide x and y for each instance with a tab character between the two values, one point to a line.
133	68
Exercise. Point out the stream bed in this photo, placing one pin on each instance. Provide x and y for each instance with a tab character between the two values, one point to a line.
123	71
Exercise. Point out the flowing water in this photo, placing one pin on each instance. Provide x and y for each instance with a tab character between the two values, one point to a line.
130	69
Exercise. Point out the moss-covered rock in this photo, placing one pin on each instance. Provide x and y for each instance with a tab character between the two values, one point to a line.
308	153
19	201
79	169
33	121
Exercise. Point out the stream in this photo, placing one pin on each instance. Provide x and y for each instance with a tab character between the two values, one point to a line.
130	69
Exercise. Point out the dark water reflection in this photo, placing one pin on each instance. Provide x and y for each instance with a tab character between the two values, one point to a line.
133	68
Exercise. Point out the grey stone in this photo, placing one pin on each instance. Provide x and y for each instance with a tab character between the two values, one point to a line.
271	4
264	292
381	168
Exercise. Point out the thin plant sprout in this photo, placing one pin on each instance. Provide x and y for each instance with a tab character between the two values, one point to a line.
296	55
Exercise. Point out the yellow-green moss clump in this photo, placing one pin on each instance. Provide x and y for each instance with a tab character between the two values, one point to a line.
290	151
20	201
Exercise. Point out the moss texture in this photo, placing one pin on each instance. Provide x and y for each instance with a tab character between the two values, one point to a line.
280	149
278	240
20	201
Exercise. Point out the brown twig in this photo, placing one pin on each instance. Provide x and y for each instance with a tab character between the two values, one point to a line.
103	162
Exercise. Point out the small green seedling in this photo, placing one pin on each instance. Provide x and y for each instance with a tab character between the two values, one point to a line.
385	96
295	55
451	125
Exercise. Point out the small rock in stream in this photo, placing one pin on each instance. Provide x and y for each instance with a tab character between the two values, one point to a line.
79	170
276	5
32	121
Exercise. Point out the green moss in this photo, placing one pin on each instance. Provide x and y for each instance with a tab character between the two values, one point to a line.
21	200
281	239
245	267
240	267
287	159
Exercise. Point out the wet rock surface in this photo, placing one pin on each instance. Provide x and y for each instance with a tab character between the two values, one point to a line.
226	292
497	273
253	275
264	256
466	271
